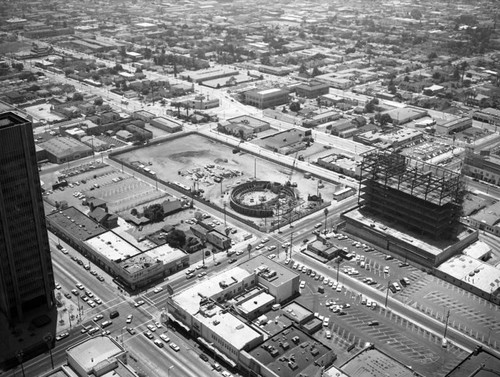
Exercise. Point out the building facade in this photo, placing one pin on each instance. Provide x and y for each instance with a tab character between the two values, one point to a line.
27	279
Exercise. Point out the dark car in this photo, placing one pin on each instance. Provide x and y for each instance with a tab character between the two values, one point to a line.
392	288
373	323
204	357
232	260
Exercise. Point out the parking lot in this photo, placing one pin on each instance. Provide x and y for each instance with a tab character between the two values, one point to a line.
354	320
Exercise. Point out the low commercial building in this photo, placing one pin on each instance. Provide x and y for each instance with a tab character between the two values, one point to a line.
405	114
201	308
483	166
132	267
473	275
266	98
64	149
219	240
312	89
488	115
453	126
208	74
487	220
289	353
244	126
98	356
422	250
324	249
166	124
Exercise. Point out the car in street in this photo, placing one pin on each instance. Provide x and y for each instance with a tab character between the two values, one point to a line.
165	338
271	256
175	347
131	330
93	330
151	327
138	303
148	334
98	317
129	318
232	260
159	343
203	357
62	335
271	248
189	276
217	367
67	295
58	286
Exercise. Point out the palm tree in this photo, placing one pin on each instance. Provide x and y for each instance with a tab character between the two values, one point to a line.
325	211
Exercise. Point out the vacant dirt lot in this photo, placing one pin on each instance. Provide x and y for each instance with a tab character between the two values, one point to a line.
196	160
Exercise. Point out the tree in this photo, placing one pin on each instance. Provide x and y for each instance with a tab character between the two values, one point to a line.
295	106
176	238
433	55
384	119
77	97
316	72
134	212
154	212
98	101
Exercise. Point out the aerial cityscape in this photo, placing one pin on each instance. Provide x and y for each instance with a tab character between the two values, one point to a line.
242	188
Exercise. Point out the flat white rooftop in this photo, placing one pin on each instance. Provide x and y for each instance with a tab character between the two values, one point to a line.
189	299
112	246
229	328
472	271
256	302
165	254
269	91
94	351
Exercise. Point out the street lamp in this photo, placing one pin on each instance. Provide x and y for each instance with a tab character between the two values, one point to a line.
48	341
20	356
168	370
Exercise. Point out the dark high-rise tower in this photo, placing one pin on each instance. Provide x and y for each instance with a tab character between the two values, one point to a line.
26	276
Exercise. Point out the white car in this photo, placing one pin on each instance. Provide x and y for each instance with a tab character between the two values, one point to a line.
151	328
271	248
158	289
129	318
165	338
386	269
158	325
302	284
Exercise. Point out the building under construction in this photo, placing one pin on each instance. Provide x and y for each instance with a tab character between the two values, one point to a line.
423	198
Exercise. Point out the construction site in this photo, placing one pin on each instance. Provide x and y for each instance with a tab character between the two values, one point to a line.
424	198
411	208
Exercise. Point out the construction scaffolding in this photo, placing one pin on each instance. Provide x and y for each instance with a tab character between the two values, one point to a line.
421	197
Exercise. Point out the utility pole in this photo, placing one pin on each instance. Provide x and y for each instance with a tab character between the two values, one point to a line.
291	244
446	324
387	293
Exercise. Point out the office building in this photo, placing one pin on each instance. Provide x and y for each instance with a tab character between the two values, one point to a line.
26	276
